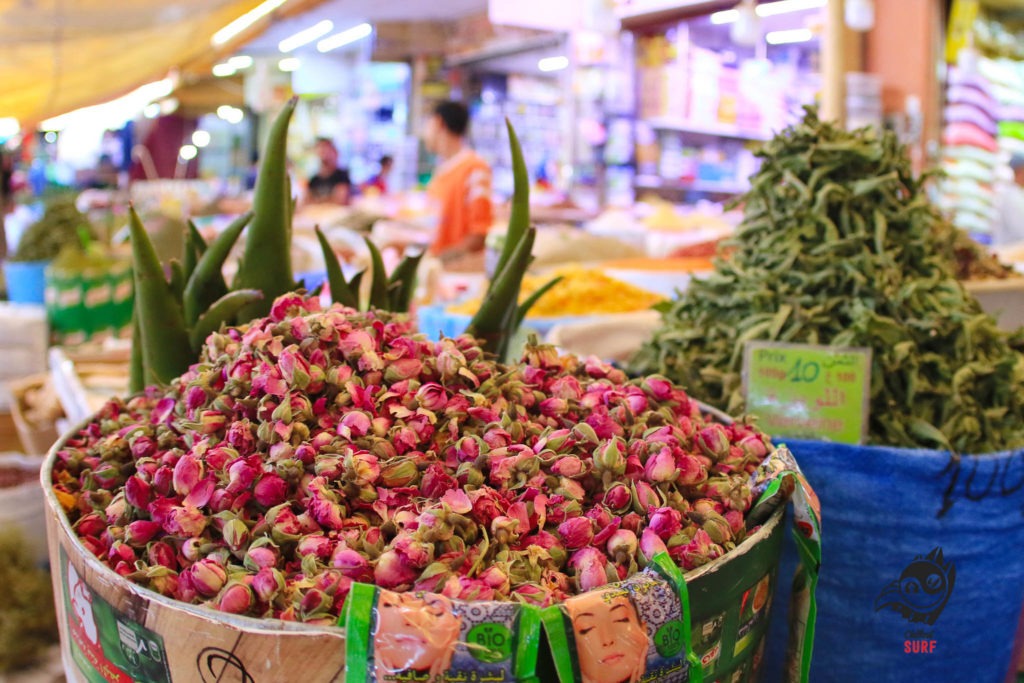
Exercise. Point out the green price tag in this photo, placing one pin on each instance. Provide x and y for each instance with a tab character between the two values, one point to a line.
807	391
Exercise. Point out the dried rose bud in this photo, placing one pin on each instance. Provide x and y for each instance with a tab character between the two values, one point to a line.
140	532
611	457
161	554
270	490
268	583
496	579
402	369
665	522
137	492
363	468
691	470
589	564
236	534
713	441
207	577
533	594
436	481
617	498
651	544
391	571
317	545
568	466
91	524
657	387
661	467
260	557
717	527
235	598
622	546
185	522
736	522
645	497
576	532
398	474
351	564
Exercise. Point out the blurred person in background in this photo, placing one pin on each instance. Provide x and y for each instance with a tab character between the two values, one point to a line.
379	182
105	177
461	185
1010	204
331	184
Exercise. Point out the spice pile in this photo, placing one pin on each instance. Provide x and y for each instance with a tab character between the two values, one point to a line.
839	245
318	447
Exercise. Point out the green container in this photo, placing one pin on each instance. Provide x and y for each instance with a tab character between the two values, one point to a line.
92	303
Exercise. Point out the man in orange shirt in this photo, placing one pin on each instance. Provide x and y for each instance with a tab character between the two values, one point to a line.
461	186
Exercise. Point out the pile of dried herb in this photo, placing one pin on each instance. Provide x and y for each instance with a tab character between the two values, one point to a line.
58	228
28	625
839	245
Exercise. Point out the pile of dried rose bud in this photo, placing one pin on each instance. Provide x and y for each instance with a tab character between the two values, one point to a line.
318	447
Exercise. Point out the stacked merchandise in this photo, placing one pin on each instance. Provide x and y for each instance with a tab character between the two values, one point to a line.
1006	79
970	157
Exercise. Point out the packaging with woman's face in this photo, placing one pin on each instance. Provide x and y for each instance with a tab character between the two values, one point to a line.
628	632
429	637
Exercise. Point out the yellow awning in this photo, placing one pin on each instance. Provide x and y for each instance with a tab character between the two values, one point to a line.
59	55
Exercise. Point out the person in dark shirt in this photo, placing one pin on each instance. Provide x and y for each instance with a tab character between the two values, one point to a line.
330	184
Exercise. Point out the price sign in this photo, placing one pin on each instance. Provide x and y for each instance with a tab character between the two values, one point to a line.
807	391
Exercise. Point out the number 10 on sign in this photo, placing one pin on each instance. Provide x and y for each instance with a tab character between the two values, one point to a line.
808	391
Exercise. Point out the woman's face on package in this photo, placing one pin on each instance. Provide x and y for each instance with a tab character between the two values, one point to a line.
610	640
413	633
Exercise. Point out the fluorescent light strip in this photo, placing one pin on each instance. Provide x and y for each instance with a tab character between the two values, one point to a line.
239	62
796	35
768	9
245	21
346	37
553	63
289	64
306	36
223	70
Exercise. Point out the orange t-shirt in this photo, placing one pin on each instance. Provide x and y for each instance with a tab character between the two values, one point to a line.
461	190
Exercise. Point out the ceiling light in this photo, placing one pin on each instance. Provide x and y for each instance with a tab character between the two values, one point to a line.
152	110
346	37
245	21
200	138
796	35
239	62
230	114
50	137
553	63
188	152
306	36
289	64
222	70
769	9
168	106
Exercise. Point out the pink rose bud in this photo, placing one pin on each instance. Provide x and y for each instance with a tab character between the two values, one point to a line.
661	467
432	396
236	598
589	564
317	545
645	497
137	492
212	421
566	387
610	456
553	407
259	557
207	577
91	524
736	521
163	480
568	466
533	594
622	546
713	441
617	498
351	564
241	475
268	583
666	522
191	549
354	424
185	522
143	447
402	369
364	468
754	446
496	579
651	544
398	474
270	490
161	554
435	482
691	470
657	387
392	572
187	473
194	398
140	532
236	534
717	527
576	532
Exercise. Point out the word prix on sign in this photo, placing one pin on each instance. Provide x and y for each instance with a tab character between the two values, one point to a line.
808	391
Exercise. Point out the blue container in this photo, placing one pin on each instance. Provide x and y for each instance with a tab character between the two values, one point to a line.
26	281
922	574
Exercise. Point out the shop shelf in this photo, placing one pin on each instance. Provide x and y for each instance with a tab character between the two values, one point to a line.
722	130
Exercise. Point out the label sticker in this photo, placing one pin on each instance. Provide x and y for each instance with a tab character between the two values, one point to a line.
106	646
807	391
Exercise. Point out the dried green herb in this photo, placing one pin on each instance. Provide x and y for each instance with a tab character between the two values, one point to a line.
28	624
840	245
